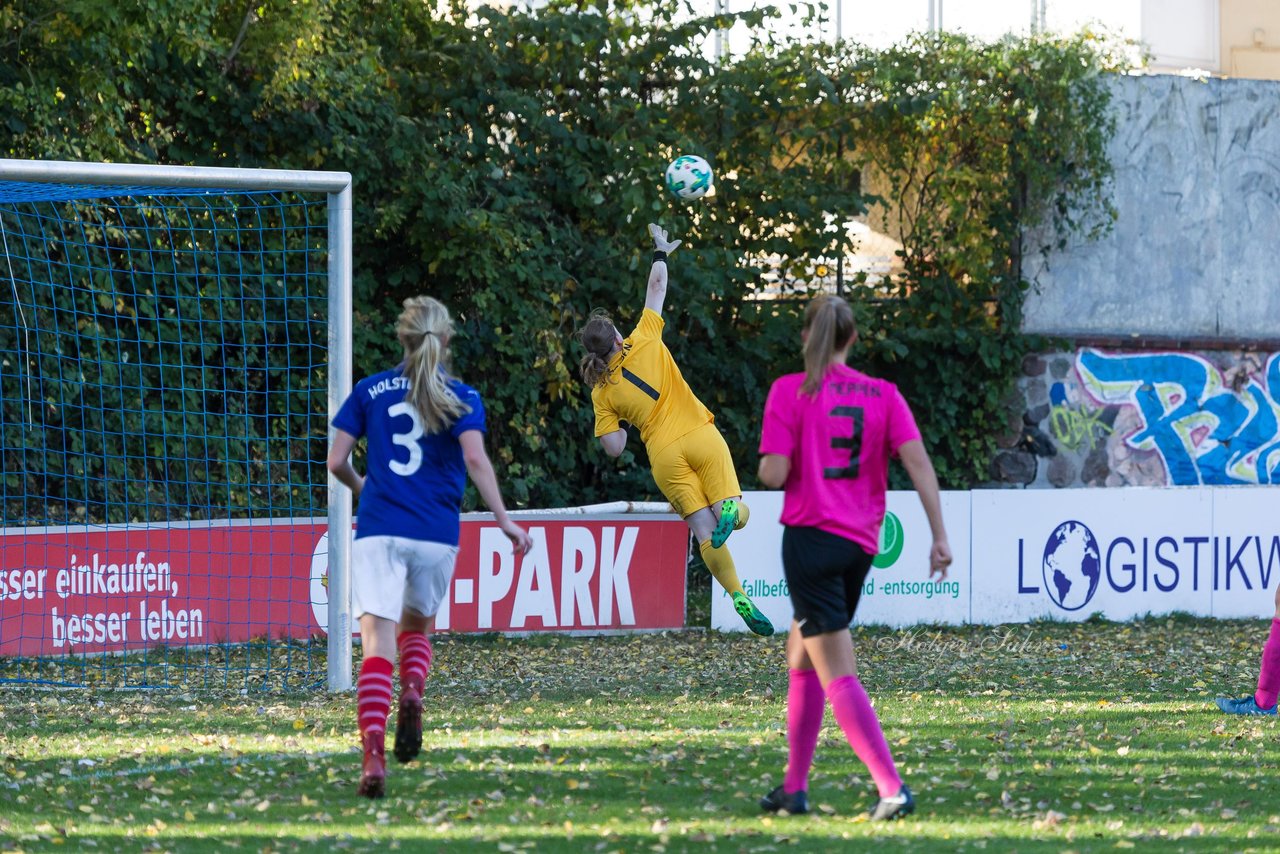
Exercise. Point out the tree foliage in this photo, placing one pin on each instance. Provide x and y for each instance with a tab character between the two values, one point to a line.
508	161
979	149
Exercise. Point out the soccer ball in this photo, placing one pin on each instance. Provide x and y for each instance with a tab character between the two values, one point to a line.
689	177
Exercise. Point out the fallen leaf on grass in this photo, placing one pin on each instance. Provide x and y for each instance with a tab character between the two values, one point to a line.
1052	818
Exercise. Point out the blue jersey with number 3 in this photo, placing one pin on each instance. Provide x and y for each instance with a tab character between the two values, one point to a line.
413	479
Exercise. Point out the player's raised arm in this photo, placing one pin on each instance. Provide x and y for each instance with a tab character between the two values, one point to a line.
656	293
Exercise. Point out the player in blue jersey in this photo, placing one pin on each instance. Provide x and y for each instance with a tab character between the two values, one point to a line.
425	434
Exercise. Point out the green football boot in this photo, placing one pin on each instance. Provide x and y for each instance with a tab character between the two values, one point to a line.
730	513
751	615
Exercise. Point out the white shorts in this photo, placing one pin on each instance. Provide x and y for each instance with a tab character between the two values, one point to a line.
389	574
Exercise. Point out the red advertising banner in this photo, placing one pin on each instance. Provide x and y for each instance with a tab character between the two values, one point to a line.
583	574
110	589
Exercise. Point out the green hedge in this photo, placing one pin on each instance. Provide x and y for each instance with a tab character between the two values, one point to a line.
509	165
136	385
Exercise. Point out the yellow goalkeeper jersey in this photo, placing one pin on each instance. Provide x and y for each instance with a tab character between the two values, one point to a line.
645	388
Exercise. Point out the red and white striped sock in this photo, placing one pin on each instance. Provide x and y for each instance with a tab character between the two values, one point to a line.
373	695
415	660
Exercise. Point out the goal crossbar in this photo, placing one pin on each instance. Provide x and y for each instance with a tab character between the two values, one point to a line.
147	175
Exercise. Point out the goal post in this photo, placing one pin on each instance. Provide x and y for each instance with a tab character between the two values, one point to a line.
123	285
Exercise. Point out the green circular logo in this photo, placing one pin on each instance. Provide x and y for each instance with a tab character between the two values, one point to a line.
890	542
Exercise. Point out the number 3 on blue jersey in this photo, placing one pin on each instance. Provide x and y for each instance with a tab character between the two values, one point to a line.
852	443
409	440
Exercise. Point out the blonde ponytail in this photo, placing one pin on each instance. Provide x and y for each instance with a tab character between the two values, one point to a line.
828	322
424	329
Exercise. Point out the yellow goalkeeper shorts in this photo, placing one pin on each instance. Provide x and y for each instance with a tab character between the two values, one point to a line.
695	471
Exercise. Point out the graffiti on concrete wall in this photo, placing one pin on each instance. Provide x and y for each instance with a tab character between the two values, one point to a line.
1076	426
1114	418
1207	427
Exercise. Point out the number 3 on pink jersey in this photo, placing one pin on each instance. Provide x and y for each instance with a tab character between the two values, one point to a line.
850	441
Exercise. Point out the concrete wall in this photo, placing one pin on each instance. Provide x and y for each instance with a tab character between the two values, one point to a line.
1196	249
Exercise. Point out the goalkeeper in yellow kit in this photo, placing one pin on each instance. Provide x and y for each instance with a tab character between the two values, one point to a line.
636	380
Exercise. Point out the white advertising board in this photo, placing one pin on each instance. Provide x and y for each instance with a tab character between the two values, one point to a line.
1067	554
1246	547
898	591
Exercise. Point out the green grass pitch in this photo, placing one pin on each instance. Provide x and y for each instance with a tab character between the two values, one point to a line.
1045	737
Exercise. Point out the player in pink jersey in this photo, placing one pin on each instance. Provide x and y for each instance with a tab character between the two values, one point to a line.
1262	701
827	438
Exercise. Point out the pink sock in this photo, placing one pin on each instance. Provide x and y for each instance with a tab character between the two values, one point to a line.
805	705
373	695
415	660
1269	675
853	712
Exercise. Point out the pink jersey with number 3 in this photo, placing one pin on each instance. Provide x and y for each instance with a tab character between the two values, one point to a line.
839	443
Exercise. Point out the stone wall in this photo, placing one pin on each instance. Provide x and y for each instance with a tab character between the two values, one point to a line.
1096	417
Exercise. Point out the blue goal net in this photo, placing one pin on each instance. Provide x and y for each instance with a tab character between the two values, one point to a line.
163	430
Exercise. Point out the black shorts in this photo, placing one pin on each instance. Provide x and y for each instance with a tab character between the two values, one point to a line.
825	574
